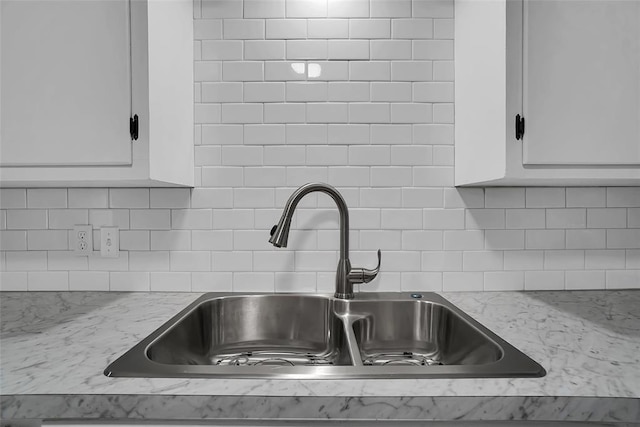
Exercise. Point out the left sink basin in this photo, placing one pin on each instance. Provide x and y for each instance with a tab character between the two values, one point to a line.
259	330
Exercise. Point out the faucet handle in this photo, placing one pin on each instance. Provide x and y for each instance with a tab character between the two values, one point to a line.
364	275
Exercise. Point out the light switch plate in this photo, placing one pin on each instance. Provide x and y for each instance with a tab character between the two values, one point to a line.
109	242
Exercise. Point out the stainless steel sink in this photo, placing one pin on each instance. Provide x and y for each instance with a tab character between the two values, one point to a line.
375	335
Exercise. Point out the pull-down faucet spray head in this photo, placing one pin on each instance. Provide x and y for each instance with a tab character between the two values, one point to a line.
280	232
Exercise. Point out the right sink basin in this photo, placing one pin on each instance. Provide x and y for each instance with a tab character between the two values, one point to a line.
419	333
375	335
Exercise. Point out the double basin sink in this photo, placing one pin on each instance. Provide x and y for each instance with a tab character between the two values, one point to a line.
374	335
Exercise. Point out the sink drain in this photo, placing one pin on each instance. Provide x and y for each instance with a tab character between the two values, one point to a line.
406	358
270	359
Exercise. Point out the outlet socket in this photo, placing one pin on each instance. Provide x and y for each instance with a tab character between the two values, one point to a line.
82	240
109	242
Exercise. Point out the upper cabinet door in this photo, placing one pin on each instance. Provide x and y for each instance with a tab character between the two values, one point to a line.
65	82
582	82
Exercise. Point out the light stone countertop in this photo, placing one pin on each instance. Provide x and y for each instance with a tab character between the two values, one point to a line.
54	347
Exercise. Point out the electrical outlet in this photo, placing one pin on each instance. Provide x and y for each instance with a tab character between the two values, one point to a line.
109	242
82	240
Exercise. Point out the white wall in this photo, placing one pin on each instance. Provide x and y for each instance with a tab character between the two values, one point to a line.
377	124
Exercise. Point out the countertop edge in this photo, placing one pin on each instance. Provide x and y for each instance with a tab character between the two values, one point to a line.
151	407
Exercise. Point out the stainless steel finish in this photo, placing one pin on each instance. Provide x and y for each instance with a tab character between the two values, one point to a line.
345	275
374	335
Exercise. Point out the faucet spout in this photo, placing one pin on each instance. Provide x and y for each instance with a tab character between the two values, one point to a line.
280	235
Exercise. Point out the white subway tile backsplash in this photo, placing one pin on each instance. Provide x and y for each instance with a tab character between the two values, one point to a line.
566	218
412	28
253	282
348	8
22	219
264	8
38	240
623	279
607	218
307	49
284	113
211	282
504	239
192	219
66	260
564	259
604	259
504	281
586	239
129	282
243	29
369	28
190	261
219	50
413	71
348	50
243	71
482	219
328	28
242	113
13	198
525	218
482	261
88	281
464	240
625	197
151	219
39	198
545	197
505	197
575	280
135	240
209	71
443	71
221	9
48	281
286	29
222	92
306	8
411	112
465	282
370	71
623	239
327	113
390	8
633	217
545	239
13	240
433	8
543	280
88	198
586	197
207	29
523	260
356	93
148	260
391	49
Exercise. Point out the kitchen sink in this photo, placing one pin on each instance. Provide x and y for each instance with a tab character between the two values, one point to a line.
374	335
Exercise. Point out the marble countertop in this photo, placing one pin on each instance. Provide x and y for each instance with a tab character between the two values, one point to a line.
54	347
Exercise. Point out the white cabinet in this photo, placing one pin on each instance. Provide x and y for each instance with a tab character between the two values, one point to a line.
571	69
73	75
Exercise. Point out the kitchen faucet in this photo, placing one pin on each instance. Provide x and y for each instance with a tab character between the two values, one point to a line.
345	275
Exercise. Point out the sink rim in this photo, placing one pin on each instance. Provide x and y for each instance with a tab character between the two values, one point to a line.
134	363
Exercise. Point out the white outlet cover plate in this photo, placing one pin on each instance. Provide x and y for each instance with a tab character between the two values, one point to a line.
82	240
